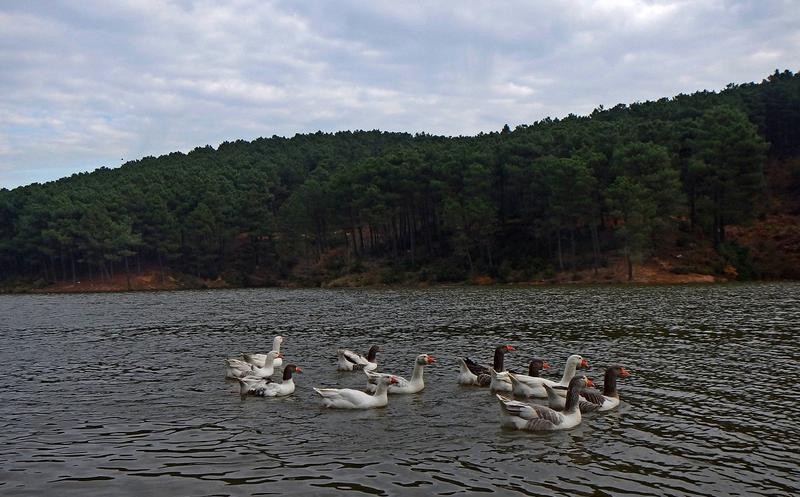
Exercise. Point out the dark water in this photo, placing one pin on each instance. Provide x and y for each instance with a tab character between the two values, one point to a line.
124	394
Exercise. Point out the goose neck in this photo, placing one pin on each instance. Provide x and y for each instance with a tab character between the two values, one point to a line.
499	357
573	396
416	374
569	372
610	383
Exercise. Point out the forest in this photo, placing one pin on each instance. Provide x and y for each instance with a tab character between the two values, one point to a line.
622	184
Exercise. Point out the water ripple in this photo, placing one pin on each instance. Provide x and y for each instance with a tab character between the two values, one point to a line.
123	394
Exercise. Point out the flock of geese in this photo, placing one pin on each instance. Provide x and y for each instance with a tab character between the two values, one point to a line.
567	399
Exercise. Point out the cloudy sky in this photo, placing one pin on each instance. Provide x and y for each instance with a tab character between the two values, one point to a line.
90	83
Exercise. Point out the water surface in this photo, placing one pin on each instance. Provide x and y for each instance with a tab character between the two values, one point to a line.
123	394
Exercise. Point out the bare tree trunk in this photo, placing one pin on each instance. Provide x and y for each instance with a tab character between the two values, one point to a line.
560	256
630	266
161	267
72	263
127	273
413	237
572	243
595	247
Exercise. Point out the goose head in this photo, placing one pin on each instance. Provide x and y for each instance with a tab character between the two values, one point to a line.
536	365
372	352
425	359
577	362
272	355
621	371
388	380
289	369
580	382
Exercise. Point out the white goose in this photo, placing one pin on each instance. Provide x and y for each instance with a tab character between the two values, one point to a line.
414	385
592	400
501	382
347	398
236	368
347	360
258	359
269	366
533	386
521	416
264	387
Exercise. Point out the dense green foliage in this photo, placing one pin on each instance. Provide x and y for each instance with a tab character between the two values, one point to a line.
559	194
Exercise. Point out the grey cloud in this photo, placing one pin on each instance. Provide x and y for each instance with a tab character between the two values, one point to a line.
92	82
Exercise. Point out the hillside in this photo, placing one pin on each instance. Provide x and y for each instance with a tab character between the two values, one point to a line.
700	187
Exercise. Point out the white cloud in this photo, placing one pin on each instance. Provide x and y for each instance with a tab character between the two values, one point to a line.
87	83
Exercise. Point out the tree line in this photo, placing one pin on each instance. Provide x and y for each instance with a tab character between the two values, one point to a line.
555	195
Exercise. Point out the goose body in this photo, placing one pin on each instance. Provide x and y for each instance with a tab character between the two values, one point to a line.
521	416
413	385
533	386
592	400
472	373
269	366
348	398
237	368
347	360
264	387
465	375
500	382
259	359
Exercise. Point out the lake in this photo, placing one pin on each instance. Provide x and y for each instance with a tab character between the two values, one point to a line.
124	394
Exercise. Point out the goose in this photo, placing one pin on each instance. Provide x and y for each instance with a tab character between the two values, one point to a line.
258	359
501	382
269	365
521	416
414	385
472	373
348	398
236	368
592	400
533	386
536	365
265	387
347	360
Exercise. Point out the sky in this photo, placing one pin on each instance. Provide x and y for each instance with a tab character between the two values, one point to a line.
91	83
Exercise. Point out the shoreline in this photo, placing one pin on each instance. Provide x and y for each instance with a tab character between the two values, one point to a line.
150	281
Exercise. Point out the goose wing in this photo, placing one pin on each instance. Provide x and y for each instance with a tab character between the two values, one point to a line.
538	417
373	378
475	368
352	357
592	396
585	406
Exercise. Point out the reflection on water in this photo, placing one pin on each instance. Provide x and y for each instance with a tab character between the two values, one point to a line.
124	394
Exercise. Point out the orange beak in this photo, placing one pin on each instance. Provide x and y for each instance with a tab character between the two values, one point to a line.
510	348
584	363
393	380
624	373
298	370
589	382
545	365
431	359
